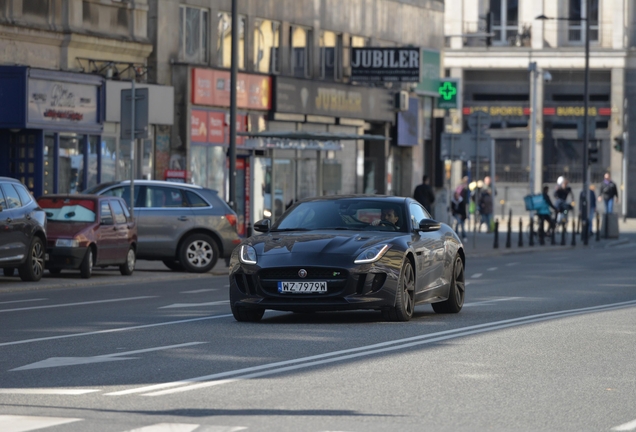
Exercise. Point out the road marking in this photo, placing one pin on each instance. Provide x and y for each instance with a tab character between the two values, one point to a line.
187	305
13	423
75	361
618	285
48	391
76	304
489	302
22	301
492	269
336	356
168	427
476	275
25	341
198	291
512	264
630	426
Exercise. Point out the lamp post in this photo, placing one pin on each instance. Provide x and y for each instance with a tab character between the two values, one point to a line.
233	79
586	194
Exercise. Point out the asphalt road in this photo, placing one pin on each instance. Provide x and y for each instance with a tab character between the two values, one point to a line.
546	341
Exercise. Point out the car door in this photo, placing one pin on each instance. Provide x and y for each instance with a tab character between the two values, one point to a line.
120	247
15	230
165	217
106	234
429	251
143	235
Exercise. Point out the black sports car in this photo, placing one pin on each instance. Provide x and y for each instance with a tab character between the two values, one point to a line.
345	253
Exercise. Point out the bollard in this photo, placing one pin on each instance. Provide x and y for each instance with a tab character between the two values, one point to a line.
564	231
554	228
598	227
531	240
520	232
606	220
496	234
541	233
574	231
509	235
578	224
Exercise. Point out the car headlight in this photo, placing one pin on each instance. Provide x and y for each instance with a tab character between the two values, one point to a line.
372	254
247	254
66	243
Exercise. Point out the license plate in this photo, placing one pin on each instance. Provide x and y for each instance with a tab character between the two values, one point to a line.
302	287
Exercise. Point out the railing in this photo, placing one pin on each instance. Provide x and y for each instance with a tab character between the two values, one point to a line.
474	34
521	173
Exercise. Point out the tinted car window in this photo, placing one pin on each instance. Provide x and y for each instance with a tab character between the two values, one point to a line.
417	214
68	209
122	192
11	196
3	203
165	197
105	213
195	200
120	218
25	196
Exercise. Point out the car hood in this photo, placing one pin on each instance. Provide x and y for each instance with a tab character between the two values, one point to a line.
55	230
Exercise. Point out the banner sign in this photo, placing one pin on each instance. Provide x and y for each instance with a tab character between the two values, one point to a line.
385	64
212	127
212	88
61	102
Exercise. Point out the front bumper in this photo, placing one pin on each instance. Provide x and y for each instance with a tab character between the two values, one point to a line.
65	257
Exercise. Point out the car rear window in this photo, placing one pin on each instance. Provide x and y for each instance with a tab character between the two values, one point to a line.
68	209
11	195
195	200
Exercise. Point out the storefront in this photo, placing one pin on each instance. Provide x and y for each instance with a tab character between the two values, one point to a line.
50	128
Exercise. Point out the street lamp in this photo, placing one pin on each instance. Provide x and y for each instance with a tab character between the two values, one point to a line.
233	79
585	195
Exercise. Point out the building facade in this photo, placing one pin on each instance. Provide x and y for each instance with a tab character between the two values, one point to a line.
490	45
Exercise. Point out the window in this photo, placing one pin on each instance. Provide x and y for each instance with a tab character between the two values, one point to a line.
300	43
330	55
417	214
120	218
164	197
123	192
578	13
358	41
106	216
195	200
11	195
505	20
3	203
25	196
193	34
224	41
266	46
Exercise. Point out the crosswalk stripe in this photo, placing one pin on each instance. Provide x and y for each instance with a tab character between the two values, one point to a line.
167	427
14	423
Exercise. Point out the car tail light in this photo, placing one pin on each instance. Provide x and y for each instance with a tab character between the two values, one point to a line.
231	219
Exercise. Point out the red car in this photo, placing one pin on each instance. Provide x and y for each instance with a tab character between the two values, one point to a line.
86	231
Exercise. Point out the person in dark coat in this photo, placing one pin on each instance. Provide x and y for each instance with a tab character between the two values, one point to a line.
458	208
485	209
424	194
609	193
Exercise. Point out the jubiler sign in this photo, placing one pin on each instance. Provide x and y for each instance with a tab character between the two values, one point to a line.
385	64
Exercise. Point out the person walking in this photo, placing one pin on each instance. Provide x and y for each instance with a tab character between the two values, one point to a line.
424	194
485	210
608	193
458	208
592	210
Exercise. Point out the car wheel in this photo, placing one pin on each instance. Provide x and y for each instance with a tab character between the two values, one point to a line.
33	267
8	271
405	296
244	314
128	267
55	271
457	291
198	253
86	268
173	265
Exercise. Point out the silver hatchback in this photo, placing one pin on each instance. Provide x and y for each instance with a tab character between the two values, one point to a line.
185	226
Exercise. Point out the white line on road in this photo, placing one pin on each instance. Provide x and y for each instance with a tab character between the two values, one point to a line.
305	362
22	301
476	275
189	305
198	291
492	269
512	264
167	427
618	285
48	391
630	426
76	304
13	423
488	302
25	341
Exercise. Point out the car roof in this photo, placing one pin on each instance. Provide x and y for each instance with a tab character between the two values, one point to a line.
79	197
388	198
10	179
152	182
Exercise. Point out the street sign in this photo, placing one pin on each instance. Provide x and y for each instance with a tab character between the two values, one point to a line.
141	114
463	146
448	93
478	121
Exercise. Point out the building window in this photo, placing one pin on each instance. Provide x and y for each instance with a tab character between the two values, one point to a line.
266	46
505	20
193	34
358	41
578	13
330	55
300	44
224	41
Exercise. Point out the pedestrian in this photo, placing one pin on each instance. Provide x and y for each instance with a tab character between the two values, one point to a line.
458	208
592	208
424	194
608	193
485	209
545	215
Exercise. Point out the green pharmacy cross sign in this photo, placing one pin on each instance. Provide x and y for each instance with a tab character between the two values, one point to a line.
448	91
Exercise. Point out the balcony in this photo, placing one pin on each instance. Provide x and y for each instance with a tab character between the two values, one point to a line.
478	34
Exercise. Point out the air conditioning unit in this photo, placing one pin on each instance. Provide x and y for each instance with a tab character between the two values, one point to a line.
402	101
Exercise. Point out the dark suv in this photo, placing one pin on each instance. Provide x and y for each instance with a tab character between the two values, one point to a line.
22	231
185	226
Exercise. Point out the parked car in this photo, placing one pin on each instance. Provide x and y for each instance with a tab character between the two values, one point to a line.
347	253
22	232
185	226
86	231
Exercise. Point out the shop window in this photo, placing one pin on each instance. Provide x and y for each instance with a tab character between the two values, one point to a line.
109	159
71	164
49	164
224	41
578	13
123	171
193	34
39	8
300	45
93	149
505	21
266	46
330	55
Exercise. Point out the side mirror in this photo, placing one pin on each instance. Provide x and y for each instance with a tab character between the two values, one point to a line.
428	225
263	225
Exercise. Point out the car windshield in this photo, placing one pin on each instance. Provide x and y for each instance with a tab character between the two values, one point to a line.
68	209
344	214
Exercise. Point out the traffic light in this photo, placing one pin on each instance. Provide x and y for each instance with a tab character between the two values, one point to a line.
592	155
618	144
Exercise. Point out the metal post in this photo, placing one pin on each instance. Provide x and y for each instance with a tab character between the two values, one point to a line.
534	70
586	131
476	179
450	180
272	187
233	82
493	190
133	143
623	195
